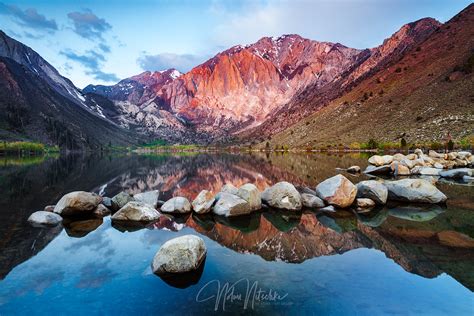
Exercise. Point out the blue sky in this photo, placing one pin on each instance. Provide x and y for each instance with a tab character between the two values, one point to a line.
101	42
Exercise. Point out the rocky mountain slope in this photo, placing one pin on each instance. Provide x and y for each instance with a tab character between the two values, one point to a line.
427	92
37	103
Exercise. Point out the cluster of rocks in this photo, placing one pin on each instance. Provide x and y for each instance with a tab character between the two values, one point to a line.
453	165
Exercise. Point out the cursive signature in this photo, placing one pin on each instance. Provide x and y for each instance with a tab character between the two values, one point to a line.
242	291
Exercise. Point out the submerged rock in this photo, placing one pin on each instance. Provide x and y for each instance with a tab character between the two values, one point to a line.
456	173
337	190
311	201
136	211
149	197
77	203
282	195
231	205
177	204
414	190
179	255
120	200
250	193
373	190
203	202
45	218
455	239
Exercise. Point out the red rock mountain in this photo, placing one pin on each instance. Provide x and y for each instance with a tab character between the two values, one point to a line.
246	89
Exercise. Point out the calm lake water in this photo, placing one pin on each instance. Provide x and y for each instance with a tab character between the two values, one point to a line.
389	261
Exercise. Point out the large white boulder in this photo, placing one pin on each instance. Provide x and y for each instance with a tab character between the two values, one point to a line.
231	205
282	195
250	193
177	204
414	190
373	190
337	190
77	203
45	218
136	211
149	197
179	255
203	202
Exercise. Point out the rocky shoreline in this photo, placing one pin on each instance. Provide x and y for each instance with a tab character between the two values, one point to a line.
188	252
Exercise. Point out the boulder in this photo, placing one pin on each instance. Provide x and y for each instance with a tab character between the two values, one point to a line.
373	190
407	163
399	169
120	200
428	171
177	204
49	208
231	205
149	197
305	189
337	190
353	169
434	154
251	194
44	218
179	255
378	161
282	195
464	154
399	157
378	170
451	156
101	210
419	152
311	201
438	165
203	202
364	203
456	173
77	203
328	208
414	190
412	156
136	211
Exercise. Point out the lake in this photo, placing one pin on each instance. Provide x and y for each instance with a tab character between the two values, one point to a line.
400	259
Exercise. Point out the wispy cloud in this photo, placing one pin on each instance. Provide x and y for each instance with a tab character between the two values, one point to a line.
88	25
181	62
91	61
29	17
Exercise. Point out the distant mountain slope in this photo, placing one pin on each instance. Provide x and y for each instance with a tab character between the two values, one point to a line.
425	94
37	103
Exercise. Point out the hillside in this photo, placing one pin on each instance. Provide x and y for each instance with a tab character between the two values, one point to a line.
421	97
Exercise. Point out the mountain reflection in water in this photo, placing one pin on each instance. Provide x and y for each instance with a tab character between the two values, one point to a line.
424	240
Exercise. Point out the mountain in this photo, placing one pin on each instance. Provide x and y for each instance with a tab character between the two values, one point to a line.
242	91
37	103
420	95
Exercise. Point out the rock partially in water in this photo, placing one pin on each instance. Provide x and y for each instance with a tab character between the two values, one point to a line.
77	203
399	169
337	190
426	171
282	195
107	202
378	170
373	190
311	201
101	211
250	193
120	200
203	202
44	218
179	255
231	205
149	197
177	204
456	173
414	190
80	228
328	208
136	211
